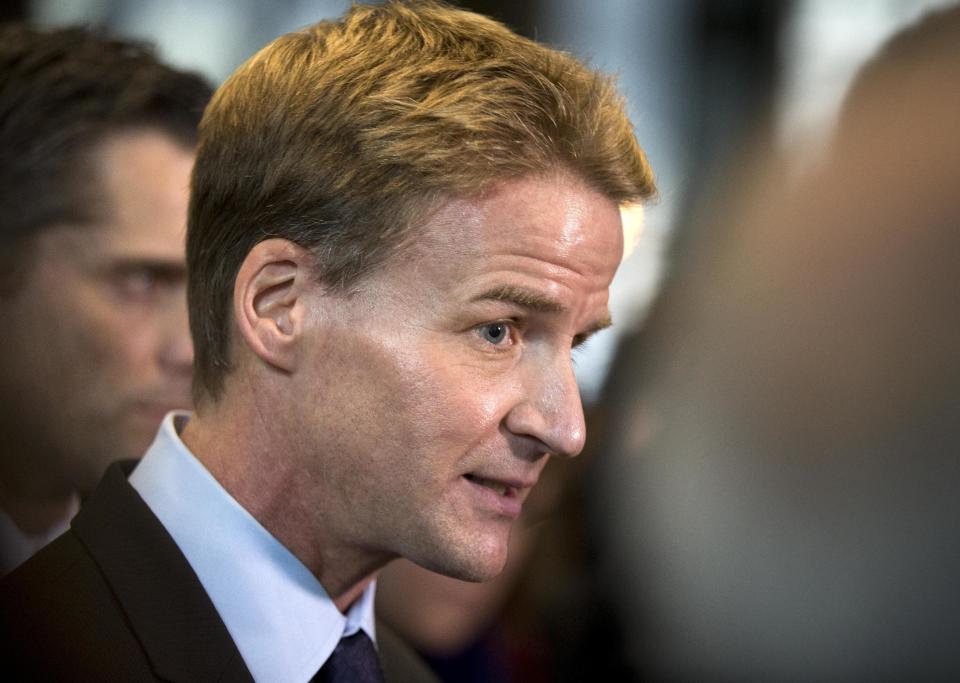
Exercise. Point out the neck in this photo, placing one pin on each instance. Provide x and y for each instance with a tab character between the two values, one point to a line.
246	455
31	492
34	510
351	595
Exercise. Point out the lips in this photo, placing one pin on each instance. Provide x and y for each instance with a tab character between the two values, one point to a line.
499	487
503	494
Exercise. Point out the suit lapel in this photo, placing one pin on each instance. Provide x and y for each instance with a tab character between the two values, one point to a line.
170	613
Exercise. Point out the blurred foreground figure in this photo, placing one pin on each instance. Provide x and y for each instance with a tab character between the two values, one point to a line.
788	468
401	223
96	146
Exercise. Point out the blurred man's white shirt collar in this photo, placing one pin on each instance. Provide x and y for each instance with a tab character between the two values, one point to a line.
283	622
18	545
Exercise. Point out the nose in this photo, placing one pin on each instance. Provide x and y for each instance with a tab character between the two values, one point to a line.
176	348
550	409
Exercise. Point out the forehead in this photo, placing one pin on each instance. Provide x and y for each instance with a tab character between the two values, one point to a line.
138	191
548	244
139	186
555	219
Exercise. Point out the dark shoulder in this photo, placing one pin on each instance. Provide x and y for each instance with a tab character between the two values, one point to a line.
59	620
401	664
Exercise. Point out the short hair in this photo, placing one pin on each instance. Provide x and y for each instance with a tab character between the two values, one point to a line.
62	92
344	136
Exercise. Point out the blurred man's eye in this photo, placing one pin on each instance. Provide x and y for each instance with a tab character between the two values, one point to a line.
145	283
140	283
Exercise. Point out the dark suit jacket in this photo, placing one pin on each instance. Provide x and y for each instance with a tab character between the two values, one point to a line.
114	599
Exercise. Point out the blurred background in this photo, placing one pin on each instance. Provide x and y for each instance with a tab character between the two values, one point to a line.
771	485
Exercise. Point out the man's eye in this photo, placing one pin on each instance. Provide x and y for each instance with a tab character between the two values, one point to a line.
146	282
140	282
495	333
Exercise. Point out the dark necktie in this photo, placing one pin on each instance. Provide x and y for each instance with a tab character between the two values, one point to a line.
353	661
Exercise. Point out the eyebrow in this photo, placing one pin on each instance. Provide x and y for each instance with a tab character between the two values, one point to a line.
524	298
165	270
540	303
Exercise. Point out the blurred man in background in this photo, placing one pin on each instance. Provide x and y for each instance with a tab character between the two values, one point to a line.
96	147
787	466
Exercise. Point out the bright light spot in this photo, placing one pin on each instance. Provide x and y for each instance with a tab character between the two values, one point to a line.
631	215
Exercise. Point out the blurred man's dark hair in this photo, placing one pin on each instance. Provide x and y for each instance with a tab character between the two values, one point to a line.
62	92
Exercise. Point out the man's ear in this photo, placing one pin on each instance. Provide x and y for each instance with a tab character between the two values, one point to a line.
268	303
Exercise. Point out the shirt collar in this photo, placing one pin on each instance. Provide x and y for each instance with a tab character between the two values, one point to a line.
283	622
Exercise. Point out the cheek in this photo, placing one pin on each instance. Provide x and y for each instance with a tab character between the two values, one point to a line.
84	339
106	328
119	341
384	395
459	406
439	410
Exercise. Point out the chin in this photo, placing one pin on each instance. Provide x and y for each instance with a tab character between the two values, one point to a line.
474	561
481	575
474	573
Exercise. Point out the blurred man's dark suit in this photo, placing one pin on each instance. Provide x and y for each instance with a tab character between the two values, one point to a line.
120	602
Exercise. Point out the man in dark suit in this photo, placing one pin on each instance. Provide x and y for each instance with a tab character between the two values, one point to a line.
401	223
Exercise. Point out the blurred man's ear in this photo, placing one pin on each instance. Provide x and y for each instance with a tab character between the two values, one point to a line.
268	303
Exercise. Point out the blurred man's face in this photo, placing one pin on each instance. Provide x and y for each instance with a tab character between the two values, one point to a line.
97	345
433	396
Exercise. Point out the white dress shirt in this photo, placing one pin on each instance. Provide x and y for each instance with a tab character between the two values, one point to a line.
283	622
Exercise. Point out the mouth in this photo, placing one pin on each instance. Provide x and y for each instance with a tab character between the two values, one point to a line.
503	496
497	487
